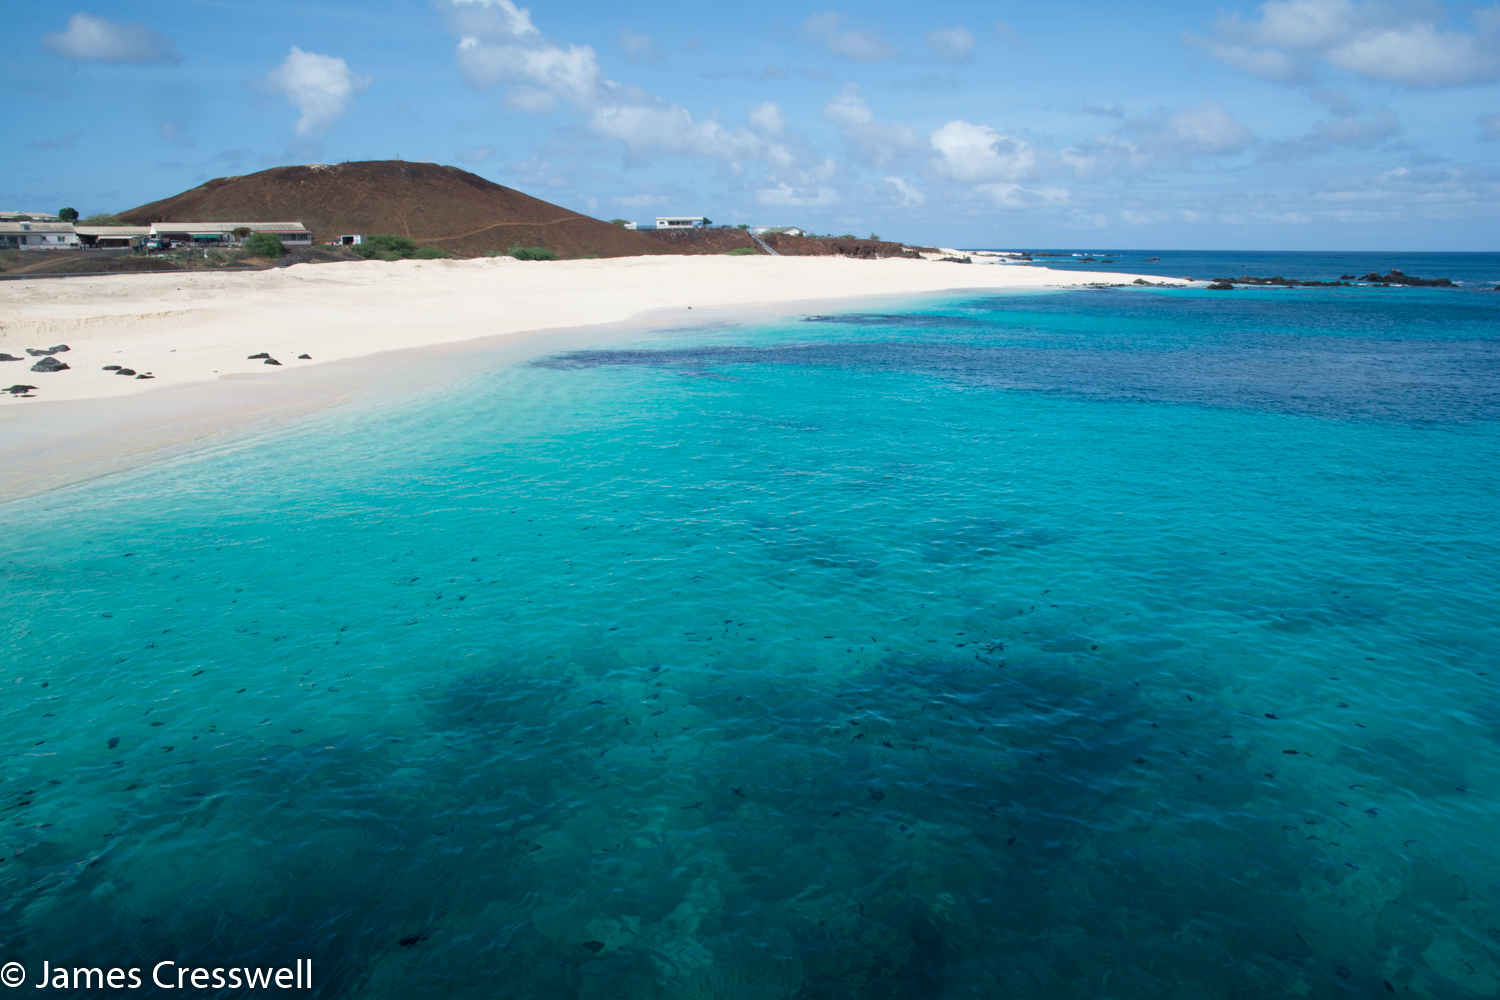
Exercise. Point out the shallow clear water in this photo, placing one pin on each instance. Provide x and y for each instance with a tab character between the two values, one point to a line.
1125	643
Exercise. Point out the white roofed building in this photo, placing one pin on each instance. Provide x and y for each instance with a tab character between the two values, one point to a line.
111	237
680	221
38	236
219	234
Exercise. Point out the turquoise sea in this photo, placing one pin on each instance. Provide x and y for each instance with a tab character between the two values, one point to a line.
1111	643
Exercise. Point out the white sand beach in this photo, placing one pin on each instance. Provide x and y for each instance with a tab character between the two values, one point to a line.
194	333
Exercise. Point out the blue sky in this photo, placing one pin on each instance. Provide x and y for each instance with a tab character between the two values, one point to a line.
1292	124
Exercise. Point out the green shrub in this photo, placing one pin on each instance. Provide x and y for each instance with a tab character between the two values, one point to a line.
381	246
431	253
265	245
102	219
618	222
742	252
531	253
67	215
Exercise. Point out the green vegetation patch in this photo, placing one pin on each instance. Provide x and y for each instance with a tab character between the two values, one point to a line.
265	245
742	252
386	246
531	253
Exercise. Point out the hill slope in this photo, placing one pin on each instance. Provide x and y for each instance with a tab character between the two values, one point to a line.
438	206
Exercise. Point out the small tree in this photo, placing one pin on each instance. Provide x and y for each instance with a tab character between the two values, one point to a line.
103	219
618	222
707	221
743	225
67	215
875	237
241	231
265	245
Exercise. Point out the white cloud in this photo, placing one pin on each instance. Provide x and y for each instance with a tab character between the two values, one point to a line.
1391	41
1205	129
95	39
638	46
910	196
645	124
1489	128
953	45
1345	129
1144	145
321	87
499	44
1003	30
1016	196
768	118
851	43
784	195
978	153
872	143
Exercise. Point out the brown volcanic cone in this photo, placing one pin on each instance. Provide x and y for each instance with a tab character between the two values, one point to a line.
437	206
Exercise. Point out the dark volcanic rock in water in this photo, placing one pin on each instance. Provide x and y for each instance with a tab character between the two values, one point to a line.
1398	278
1247	279
49	365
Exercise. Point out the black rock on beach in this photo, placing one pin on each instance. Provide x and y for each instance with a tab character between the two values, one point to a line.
49	365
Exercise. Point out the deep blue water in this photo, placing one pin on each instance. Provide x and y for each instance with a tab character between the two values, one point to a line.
1128	643
1470	270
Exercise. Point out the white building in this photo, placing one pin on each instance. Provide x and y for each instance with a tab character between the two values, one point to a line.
38	236
221	234
681	221
111	237
777	231
32	216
